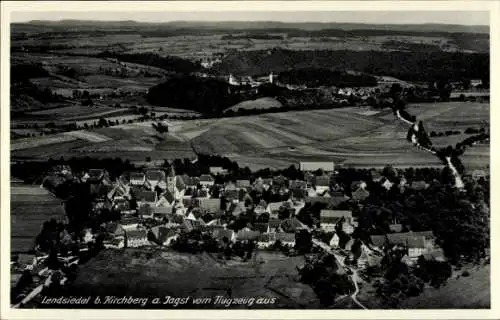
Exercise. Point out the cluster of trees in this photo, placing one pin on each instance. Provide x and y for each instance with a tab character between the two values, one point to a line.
446	133
401	281
322	274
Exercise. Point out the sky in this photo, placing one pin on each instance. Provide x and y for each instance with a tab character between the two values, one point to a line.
375	17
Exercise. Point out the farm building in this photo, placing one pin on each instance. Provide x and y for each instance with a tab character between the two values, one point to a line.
313	166
422	239
330	218
478	174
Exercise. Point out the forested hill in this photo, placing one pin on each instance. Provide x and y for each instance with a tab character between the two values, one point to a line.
264	25
411	66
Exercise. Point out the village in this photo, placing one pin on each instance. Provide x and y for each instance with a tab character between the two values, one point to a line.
156	208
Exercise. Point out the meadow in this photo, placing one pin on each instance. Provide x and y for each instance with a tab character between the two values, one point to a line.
346	136
161	273
30	207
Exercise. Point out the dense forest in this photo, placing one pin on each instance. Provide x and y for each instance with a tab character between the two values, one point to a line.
410	66
205	95
315	77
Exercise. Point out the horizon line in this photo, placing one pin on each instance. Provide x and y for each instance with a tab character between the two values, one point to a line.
256	20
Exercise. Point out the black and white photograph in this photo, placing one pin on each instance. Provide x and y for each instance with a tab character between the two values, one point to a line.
248	160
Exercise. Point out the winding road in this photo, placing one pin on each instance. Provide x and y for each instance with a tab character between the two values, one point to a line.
354	272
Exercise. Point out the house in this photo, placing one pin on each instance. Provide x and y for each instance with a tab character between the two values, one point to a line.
243	184
190	182
322	184
273	208
166	235
247	235
237	209
217	170
330	218
314	166
376	176
130	223
115	229
360	194
292	225
117	242
267	183
286	238
274	225
121	204
280	180
298	193
260	208
419	185
331	202
166	199
261	227
297	184
403	238
478	174
265	240
159	213
395	226
416	247
153	178
98	176
208	205
435	255
207	180
137	238
26	261
386	183
224	234
137	179
368	258
334	241
146	197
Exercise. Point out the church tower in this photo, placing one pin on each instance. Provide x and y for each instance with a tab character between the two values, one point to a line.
171	180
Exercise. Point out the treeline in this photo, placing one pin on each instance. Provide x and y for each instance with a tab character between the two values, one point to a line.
257	36
23	72
411	66
169	63
315	77
409	46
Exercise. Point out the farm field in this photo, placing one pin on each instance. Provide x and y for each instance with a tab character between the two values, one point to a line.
471	292
162	273
258	104
280	139
30	207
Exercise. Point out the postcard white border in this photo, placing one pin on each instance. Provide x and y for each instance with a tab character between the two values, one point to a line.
9	6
